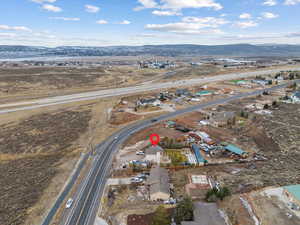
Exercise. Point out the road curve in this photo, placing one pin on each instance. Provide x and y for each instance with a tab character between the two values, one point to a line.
87	197
33	104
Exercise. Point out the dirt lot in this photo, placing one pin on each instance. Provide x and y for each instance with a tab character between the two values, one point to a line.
270	210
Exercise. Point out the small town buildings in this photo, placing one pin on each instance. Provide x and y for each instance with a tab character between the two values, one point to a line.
182	92
159	185
296	97
293	193
261	82
203	93
220	119
170	124
148	102
153	154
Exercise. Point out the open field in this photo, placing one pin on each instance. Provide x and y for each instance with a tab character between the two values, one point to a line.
30	82
45	145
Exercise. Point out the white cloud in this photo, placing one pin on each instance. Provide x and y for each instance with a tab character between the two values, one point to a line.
268	15
51	8
15	28
65	18
245	16
125	22
291	2
205	21
43	1
270	2
246	24
9	35
179	4
191	25
165	13
92	8
146	4
101	22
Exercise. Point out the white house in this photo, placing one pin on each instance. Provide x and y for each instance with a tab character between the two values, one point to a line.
153	154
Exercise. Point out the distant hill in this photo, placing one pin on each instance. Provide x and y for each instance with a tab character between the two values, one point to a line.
11	51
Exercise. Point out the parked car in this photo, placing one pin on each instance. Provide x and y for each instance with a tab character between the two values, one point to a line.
136	180
69	203
140	153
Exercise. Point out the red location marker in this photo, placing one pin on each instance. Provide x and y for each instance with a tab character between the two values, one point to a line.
154	139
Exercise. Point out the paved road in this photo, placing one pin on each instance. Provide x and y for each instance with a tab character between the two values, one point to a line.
27	105
87	196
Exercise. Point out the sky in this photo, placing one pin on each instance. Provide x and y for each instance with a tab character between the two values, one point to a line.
142	22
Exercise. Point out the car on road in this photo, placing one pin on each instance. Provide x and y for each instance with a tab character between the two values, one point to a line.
69	203
140	153
153	120
116	137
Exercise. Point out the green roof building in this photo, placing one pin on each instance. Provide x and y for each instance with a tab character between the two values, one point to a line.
293	192
203	93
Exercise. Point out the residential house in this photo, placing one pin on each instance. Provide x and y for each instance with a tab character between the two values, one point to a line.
148	102
153	154
182	92
220	119
159	185
206	214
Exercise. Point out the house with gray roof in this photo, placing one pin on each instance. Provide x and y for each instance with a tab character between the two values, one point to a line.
159	185
153	154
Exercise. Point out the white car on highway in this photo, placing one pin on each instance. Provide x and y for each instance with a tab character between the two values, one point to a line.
69	203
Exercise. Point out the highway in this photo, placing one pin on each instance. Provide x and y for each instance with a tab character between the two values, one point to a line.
88	194
33	104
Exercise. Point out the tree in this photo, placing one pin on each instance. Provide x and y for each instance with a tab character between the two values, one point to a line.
161	216
274	103
266	106
214	194
184	210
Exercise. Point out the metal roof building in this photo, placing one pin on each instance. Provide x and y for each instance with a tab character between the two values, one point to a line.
294	190
198	155
235	150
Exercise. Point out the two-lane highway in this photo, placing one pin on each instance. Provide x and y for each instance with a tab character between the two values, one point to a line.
84	209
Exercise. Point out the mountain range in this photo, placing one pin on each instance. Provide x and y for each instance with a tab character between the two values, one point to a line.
14	51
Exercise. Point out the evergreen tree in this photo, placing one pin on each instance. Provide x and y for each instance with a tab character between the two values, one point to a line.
184	210
161	217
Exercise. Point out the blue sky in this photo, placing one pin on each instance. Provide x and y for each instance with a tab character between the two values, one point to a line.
139	22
